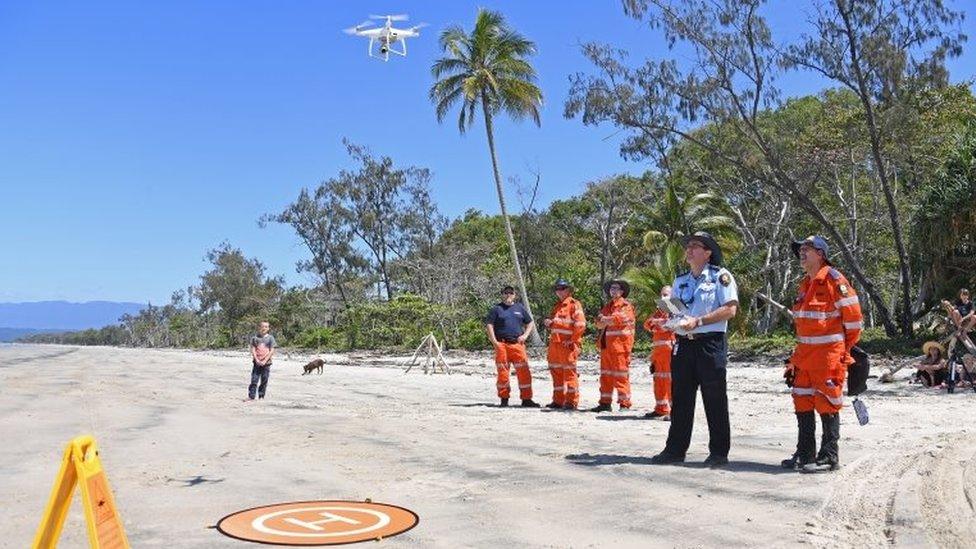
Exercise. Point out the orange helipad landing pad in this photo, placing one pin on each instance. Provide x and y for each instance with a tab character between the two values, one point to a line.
328	522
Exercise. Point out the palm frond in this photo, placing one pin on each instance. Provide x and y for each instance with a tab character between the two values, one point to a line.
487	65
716	222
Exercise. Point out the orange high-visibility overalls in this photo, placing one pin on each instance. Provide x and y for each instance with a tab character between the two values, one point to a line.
507	356
828	322
565	337
616	342
663	343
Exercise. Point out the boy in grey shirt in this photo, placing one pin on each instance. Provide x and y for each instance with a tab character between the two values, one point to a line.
262	351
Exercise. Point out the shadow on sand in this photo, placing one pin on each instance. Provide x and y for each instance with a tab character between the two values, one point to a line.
631	417
737	466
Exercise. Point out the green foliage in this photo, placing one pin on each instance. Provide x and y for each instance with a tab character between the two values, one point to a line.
320	338
773	346
875	342
471	335
679	214
237	292
399	323
944	228
646	282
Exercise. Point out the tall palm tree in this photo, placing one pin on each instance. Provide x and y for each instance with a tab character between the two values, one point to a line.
487	69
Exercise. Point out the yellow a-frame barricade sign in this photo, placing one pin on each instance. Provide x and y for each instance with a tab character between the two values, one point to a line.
82	466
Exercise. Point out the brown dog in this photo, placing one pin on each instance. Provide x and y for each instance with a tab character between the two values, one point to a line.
316	364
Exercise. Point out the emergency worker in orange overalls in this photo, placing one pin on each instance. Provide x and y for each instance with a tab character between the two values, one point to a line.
508	325
566	326
828	322
616	322
662	346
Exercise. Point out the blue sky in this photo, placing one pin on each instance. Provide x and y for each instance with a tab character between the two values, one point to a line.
136	136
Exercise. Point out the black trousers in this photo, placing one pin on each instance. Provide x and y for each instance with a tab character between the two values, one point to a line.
259	375
699	363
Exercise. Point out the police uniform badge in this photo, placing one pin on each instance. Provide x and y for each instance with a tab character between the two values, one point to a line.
725	279
843	290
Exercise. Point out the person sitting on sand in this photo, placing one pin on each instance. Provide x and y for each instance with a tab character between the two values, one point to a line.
932	369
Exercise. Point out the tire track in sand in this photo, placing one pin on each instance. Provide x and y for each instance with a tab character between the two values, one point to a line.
859	510
924	496
946	498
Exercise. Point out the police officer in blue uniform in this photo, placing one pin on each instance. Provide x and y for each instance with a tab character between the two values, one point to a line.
709	293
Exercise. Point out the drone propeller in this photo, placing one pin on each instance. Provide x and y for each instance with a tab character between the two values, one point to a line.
357	28
419	26
401	17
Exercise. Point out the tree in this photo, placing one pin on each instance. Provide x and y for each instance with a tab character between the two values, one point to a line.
612	211
729	85
237	290
379	204
877	49
330	241
487	69
386	209
677	215
648	280
944	224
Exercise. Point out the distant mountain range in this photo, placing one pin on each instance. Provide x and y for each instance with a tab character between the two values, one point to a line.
22	319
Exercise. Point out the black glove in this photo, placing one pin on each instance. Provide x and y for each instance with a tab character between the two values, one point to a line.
789	374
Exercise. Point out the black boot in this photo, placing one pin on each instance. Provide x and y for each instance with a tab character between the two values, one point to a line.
601	408
828	458
503	403
529	403
806	441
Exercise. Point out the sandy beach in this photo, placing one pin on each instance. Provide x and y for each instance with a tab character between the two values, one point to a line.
182	449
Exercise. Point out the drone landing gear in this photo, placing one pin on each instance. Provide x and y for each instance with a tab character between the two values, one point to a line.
386	49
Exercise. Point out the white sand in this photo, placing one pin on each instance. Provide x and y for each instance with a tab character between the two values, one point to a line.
182	450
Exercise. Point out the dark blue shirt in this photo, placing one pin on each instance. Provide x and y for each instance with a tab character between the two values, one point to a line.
509	320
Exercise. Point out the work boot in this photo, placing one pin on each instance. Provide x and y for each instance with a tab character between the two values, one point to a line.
655	414
806	442
570	407
665	458
713	461
529	403
554	406
601	408
821	465
828	458
830	437
504	403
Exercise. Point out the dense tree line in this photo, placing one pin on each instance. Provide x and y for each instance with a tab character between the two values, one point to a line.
882	162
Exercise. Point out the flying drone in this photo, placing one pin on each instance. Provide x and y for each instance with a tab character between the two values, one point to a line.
387	36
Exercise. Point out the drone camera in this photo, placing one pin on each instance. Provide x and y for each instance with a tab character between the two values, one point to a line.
384	49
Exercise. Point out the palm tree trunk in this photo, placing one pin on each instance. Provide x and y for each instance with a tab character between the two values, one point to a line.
534	336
